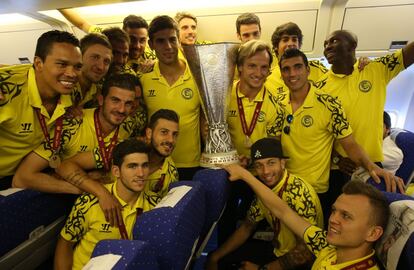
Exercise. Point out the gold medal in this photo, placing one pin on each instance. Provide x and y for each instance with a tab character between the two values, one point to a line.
54	161
247	142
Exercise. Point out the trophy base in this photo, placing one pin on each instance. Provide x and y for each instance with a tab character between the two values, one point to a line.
212	160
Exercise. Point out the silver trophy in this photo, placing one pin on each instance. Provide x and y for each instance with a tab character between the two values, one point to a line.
212	66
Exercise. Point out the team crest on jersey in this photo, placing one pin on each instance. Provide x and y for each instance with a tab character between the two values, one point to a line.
365	86
261	117
187	93
307	121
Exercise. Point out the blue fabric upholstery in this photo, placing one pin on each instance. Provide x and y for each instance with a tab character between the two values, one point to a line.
406	260
24	211
217	188
135	254
405	141
174	231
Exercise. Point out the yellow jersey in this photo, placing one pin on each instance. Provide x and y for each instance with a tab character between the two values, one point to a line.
159	182
20	129
86	224
80	135
301	197
265	125
315	239
363	94
79	99
182	97
315	125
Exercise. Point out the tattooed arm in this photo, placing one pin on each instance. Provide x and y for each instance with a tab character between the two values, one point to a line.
276	206
73	171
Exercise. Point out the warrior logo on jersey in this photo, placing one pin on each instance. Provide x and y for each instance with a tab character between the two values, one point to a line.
151	93
232	113
187	93
307	121
365	86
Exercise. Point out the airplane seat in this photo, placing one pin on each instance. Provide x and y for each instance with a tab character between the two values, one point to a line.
135	254
173	227
30	222
405	141
217	189
396	247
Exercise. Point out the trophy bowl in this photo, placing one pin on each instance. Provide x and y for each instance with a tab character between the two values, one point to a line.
212	67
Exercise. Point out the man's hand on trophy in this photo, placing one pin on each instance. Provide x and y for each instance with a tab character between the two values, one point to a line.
244	161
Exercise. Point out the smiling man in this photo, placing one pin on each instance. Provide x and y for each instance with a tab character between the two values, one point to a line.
358	219
363	95
101	128
35	96
86	224
251	115
97	57
170	85
286	251
310	122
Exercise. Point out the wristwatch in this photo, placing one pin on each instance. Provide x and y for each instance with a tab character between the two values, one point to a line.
335	160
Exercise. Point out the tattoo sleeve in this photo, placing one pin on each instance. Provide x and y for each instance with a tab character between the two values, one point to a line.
298	258
76	178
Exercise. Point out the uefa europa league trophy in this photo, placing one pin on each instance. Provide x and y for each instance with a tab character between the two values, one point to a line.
212	66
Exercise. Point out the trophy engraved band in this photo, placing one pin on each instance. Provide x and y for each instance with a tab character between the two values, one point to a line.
212	66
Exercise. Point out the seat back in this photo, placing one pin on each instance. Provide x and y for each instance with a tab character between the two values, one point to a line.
396	248
174	225
30	222
135	254
217	188
405	141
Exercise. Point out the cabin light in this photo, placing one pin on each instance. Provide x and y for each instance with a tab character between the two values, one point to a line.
395	45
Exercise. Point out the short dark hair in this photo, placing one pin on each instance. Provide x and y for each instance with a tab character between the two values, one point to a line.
289	28
47	39
293	52
134	22
247	18
183	14
380	207
163	114
126	147
122	80
93	39
160	23
116	34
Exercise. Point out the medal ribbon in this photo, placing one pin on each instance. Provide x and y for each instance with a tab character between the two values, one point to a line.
276	221
122	229
248	131
58	131
106	152
362	265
